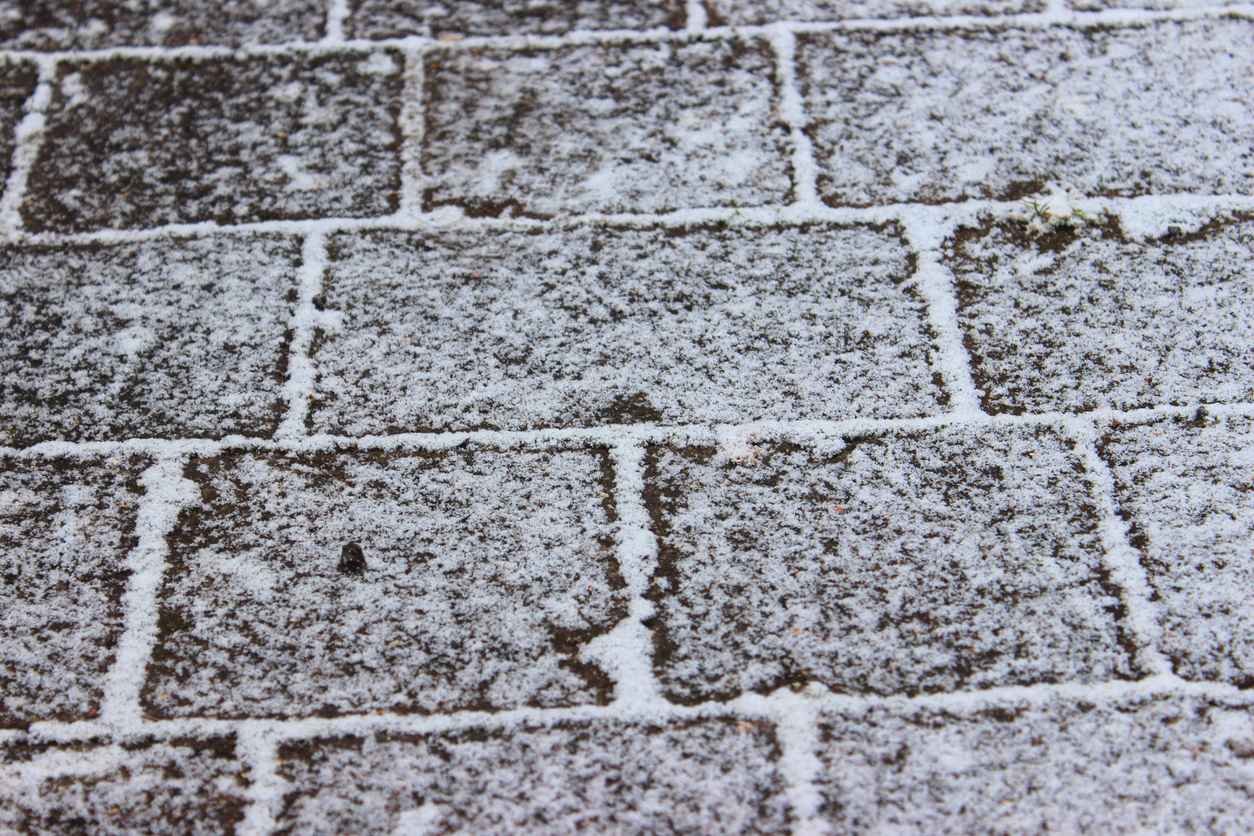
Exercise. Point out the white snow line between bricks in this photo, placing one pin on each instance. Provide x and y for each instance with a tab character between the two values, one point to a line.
819	433
1120	556
257	747
796	717
626	651
447	219
28	138
412	128
926	231
1112	18
337	12
166	492
792	113
696	18
306	318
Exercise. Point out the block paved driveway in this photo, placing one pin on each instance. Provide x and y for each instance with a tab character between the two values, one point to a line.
627	416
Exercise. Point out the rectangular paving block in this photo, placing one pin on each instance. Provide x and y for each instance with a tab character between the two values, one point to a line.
712	776
604	128
1077	321
948	115
135	142
590	326
758	12
66	529
428	18
182	785
334	583
100	24
936	561
1187	491
164	338
1140	764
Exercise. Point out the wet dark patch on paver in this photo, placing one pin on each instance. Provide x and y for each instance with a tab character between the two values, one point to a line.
1117	118
586	326
1084	318
100	24
188	785
954	559
613	128
487	574
171	338
66	529
138	143
703	775
1059	766
402	18
1187	493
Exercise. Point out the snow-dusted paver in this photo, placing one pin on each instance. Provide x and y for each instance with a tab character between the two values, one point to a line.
99	24
193	786
1086	319
587	326
757	12
66	528
174	338
481	576
617	415
910	563
1153	763
260	137
604	128
944	115
692	776
443	19
1187	490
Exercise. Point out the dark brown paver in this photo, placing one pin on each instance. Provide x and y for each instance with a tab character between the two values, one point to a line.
709	776
589	326
755	12
17	82
66	528
1076	321
99	24
401	18
612	128
945	560
485	575
168	338
1141	764
946	115
180	786
139	143
1187	488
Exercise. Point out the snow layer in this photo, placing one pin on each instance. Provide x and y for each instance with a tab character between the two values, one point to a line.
485	574
452	18
611	128
715	776
1147	764
137	143
66	527
589	326
96	24
180	786
954	559
1087	319
170	338
1188	490
1098	5
949	115
742	12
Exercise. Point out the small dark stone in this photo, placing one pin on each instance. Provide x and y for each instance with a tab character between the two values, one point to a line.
352	560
